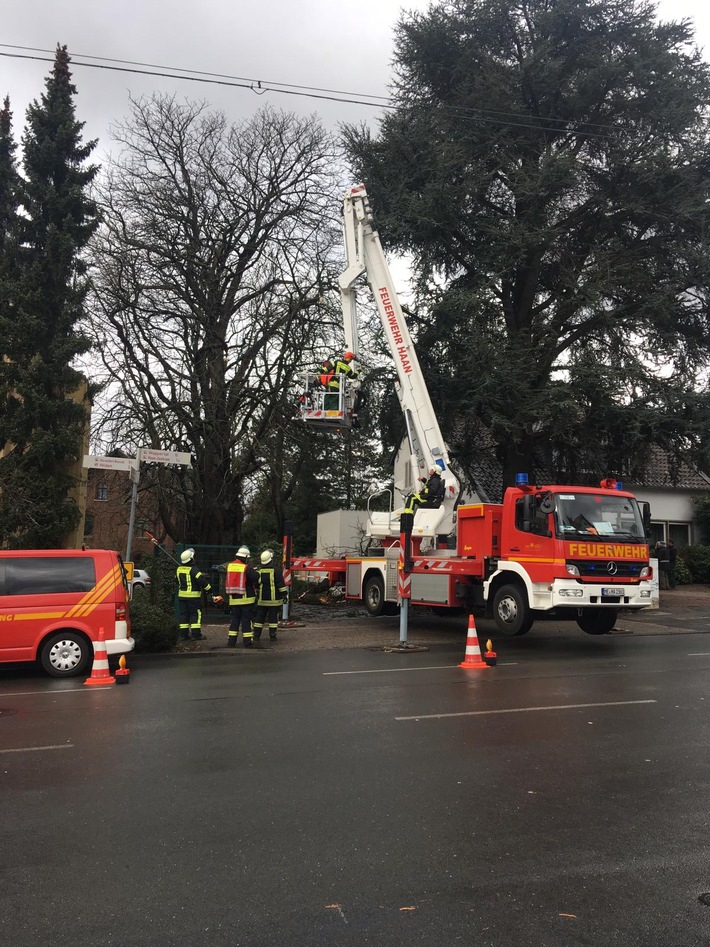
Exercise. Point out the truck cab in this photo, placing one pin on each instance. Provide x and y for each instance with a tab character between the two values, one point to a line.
567	551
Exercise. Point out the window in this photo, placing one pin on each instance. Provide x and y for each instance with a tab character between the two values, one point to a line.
42	575
102	491
679	533
89	524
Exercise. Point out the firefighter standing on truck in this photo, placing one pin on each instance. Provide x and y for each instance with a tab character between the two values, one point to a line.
272	592
191	584
242	583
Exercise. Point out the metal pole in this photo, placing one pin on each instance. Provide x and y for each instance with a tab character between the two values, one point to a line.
286	565
135	474
406	523
132	520
403	620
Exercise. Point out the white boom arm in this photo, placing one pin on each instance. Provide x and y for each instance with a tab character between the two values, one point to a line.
364	255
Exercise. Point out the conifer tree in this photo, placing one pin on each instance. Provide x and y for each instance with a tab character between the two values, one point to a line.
9	188
546	169
41	422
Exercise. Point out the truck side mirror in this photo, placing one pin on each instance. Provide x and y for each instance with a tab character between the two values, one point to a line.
646	515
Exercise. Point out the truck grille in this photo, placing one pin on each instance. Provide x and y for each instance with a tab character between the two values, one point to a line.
599	569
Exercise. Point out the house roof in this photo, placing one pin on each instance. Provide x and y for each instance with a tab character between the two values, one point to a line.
661	470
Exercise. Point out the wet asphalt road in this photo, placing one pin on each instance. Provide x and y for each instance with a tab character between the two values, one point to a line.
356	797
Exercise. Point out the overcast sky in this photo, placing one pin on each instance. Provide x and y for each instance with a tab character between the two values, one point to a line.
330	44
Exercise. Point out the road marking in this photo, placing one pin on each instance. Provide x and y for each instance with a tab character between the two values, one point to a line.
698	654
526	710
65	690
36	749
432	667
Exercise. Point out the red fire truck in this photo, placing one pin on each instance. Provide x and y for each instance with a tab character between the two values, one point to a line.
555	551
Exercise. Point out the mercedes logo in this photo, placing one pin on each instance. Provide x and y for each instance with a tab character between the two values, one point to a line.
611	568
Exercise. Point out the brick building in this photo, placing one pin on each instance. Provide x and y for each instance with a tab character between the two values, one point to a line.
108	510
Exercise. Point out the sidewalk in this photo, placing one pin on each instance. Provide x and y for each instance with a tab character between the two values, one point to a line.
685	610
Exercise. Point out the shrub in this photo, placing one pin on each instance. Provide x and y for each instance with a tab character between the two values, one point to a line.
697	559
683	575
153	628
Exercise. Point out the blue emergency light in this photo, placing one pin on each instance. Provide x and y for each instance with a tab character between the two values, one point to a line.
521	480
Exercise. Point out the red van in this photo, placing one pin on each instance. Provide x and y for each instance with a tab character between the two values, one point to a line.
53	602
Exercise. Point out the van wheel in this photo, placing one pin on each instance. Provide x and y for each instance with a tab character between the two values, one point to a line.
511	612
65	654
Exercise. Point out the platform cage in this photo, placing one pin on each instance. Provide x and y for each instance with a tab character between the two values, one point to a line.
326	409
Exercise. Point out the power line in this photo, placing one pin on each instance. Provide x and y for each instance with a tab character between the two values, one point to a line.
261	87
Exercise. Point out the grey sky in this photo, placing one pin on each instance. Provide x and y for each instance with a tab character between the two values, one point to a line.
335	44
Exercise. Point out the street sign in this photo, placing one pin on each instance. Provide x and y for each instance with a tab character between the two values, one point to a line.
164	456
108	463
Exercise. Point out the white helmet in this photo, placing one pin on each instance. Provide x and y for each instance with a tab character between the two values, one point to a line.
266	557
187	556
243	552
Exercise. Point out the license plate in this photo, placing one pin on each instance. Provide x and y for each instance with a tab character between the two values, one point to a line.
614	592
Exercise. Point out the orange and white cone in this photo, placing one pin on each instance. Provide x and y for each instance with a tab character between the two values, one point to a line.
99	672
473	657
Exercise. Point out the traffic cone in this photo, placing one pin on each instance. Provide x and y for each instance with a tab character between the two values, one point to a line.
490	656
99	671
123	674
473	657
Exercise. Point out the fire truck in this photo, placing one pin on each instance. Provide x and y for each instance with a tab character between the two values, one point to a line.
547	551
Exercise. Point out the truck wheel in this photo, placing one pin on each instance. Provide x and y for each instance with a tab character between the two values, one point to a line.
510	611
65	654
373	595
597	621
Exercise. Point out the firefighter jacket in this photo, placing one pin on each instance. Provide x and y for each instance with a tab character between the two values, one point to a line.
191	582
272	588
251	584
340	367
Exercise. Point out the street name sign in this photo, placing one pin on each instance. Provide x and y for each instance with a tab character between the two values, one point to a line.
108	463
164	456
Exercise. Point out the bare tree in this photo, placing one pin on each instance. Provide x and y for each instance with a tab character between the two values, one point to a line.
211	271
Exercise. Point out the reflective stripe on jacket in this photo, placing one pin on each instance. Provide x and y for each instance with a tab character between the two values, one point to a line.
252	582
272	588
191	582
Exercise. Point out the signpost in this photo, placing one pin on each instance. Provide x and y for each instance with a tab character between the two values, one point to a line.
133	466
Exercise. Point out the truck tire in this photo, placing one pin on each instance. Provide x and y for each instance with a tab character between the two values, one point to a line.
373	595
597	621
65	654
511	611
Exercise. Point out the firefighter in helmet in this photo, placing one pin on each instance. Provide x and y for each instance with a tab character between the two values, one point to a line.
341	366
191	584
241	586
272	592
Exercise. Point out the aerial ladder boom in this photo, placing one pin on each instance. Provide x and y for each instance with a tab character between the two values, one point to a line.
425	444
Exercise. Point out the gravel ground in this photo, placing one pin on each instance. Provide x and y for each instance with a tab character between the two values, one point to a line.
341	625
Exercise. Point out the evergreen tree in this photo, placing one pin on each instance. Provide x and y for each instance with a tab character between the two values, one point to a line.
9	190
41	421
547	167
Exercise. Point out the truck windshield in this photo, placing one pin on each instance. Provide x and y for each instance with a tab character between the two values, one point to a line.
595	514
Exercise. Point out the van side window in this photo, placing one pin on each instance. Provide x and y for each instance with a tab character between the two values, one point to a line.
42	575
